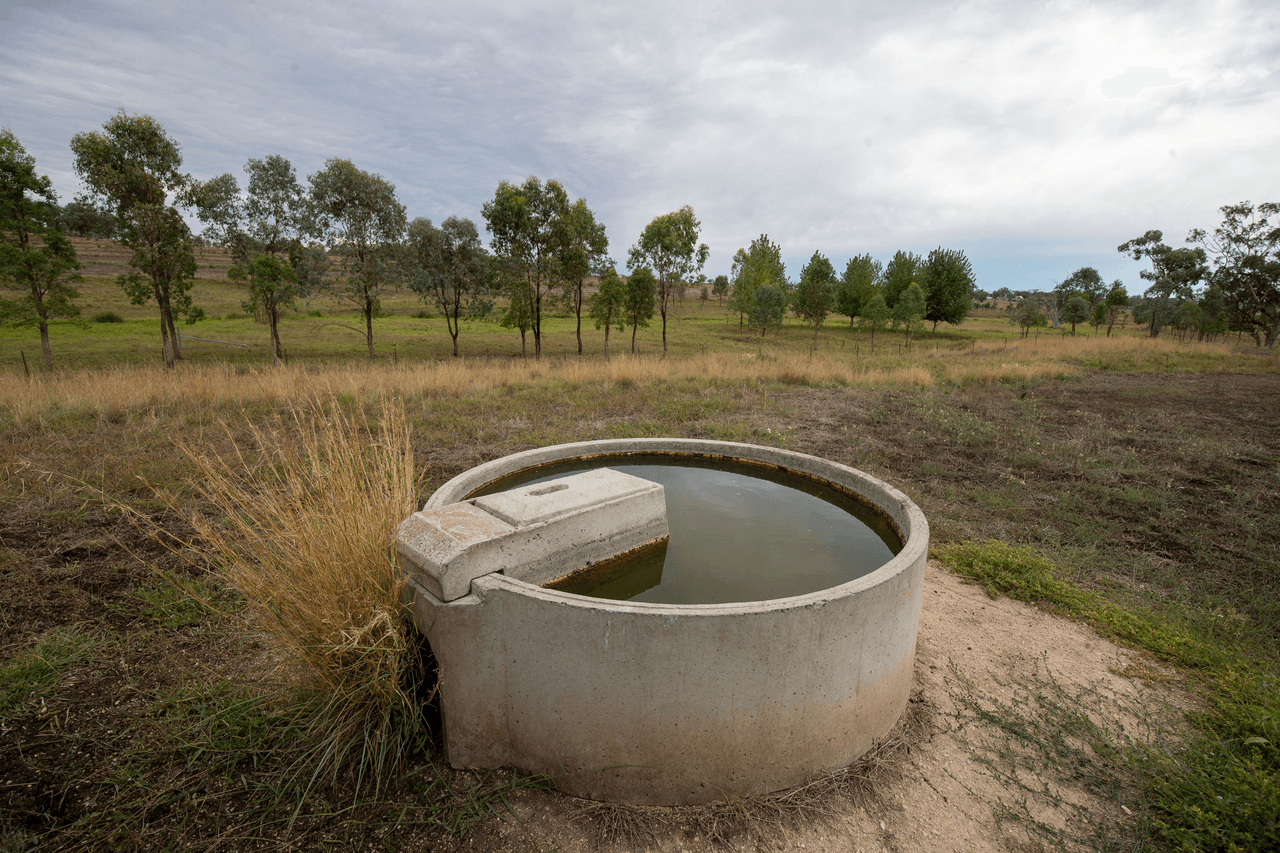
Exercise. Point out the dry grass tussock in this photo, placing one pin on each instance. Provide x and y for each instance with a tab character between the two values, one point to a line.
303	523
769	817
922	365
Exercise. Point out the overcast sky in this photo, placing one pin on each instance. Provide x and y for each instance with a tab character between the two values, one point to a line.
1036	137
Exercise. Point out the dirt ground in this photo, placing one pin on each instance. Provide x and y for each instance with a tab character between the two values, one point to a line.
972	651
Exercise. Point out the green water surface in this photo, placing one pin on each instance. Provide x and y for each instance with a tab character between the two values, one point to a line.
739	532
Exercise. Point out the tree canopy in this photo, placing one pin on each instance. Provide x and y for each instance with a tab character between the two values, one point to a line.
815	293
901	271
947	281
450	269
527	224
757	265
267	221
1075	311
638	307
358	215
132	165
860	281
1246	266
608	304
1174	275
35	255
669	247
585	251
910	308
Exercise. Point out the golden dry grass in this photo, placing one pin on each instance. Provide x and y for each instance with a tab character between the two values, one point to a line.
201	387
302	523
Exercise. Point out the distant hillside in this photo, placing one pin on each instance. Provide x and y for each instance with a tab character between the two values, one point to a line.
109	258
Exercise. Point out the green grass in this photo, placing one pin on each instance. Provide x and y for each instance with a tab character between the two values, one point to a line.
30	673
1217	791
175	603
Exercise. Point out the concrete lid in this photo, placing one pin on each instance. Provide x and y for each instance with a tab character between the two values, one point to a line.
543	502
535	532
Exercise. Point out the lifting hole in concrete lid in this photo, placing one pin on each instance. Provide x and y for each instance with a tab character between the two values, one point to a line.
537	493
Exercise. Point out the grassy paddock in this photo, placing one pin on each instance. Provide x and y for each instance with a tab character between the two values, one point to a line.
201	385
1130	483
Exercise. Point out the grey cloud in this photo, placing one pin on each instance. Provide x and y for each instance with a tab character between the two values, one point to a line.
842	127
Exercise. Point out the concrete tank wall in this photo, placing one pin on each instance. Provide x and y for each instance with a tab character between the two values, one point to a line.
670	704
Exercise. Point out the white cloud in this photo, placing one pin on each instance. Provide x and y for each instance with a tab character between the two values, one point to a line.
832	126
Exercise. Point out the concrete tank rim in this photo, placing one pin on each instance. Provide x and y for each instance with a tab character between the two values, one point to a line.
915	528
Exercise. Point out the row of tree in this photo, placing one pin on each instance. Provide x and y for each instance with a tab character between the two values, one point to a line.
345	232
907	291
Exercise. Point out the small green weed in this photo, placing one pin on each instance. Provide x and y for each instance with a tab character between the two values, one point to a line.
29	671
1019	572
1220	790
1047	737
174	602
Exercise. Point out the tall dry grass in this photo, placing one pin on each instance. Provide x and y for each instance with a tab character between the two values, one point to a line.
303	523
889	364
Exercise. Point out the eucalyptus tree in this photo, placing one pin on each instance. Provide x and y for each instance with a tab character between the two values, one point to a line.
1246	259
609	304
83	218
35	255
1086	282
946	278
1028	314
132	166
1174	275
584	251
815	293
357	215
1213	313
669	246
267	221
859	282
528	224
638	307
1117	302
1075	311
450	269
753	267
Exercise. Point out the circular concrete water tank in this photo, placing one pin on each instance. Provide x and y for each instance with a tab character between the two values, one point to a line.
676	704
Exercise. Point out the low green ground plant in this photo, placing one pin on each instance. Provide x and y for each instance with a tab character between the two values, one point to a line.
29	673
1217	790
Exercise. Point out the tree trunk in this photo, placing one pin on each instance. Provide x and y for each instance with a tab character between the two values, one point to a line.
277	351
44	345
168	334
537	328
577	307
664	329
1273	334
453	326
368	324
633	337
606	342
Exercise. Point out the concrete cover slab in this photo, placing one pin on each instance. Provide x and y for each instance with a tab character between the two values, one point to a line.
534	533
543	502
